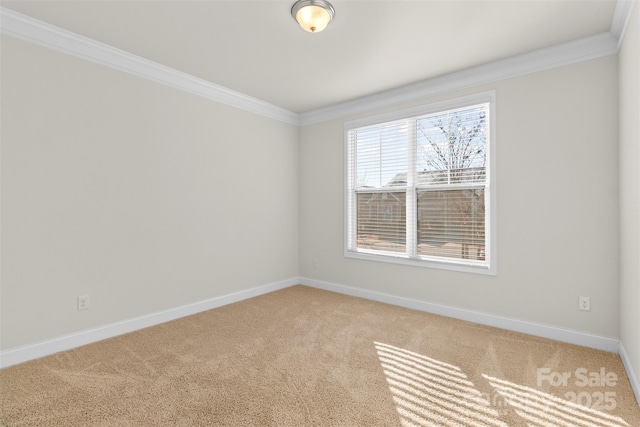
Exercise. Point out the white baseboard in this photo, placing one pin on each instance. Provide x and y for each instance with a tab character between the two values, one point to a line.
16	355
540	330
633	379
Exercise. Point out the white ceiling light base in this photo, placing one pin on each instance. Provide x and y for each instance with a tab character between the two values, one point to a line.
313	15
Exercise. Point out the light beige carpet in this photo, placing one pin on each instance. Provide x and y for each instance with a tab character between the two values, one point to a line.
306	357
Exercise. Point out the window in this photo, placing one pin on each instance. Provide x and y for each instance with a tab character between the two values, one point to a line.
419	188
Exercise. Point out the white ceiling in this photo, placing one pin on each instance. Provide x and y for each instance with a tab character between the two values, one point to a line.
256	48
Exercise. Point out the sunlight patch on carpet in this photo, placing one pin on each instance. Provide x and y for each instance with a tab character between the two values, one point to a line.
429	392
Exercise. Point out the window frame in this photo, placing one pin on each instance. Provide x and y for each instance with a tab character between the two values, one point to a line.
350	195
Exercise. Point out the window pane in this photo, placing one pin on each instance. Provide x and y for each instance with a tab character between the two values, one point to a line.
452	147
382	221
451	223
381	156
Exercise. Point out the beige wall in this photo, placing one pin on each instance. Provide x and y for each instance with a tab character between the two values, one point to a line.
144	197
630	191
557	206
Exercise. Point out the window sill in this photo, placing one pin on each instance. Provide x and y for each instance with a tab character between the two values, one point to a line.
394	258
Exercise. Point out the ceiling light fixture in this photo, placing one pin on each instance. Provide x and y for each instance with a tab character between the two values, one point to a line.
313	15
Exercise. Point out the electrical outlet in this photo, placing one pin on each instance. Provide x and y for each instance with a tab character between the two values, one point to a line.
83	302
584	303
315	263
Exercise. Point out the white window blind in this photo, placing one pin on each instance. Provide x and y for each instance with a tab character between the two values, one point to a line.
418	188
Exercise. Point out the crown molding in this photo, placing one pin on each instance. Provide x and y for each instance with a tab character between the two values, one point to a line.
544	59
23	27
621	16
32	30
